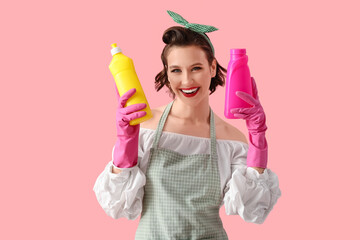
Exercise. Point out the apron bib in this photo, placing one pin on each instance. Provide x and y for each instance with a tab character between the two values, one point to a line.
182	194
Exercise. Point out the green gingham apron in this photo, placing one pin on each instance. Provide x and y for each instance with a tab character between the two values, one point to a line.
182	193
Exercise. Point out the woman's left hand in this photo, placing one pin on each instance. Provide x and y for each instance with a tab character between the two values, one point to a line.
255	122
254	116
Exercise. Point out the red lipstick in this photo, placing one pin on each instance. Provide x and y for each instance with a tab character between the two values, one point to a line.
188	93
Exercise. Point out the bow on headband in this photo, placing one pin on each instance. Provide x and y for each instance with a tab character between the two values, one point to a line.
199	28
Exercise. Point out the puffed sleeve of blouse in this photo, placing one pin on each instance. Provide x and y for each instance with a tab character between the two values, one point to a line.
248	193
121	194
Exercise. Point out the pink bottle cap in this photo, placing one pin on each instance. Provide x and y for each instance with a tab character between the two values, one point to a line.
238	51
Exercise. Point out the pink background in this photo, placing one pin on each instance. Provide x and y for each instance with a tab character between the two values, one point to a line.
58	108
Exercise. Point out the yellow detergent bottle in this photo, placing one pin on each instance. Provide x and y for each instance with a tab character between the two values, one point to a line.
123	70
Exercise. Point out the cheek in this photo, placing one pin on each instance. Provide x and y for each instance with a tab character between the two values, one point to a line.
206	78
173	84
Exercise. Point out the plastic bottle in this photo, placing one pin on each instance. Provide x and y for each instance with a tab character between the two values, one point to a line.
123	71
238	78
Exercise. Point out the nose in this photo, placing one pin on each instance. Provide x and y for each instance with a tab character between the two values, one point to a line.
187	79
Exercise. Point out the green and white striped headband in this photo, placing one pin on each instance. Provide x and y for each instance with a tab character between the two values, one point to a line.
199	28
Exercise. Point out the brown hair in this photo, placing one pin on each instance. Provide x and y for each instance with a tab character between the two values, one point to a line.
181	36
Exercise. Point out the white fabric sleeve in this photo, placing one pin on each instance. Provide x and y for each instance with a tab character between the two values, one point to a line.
248	193
121	194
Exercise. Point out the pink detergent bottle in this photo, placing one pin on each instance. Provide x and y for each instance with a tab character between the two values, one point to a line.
238	78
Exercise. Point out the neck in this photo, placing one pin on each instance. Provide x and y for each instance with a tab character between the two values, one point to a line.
193	114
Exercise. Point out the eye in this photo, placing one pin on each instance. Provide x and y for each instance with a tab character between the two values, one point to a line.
178	70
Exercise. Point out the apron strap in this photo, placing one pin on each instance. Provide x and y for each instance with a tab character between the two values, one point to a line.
212	134
161	125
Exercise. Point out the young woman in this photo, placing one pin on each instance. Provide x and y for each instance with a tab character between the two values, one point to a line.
178	168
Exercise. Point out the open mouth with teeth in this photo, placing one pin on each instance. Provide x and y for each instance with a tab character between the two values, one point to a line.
189	92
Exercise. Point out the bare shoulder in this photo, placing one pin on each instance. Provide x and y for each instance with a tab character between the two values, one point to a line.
153	122
226	131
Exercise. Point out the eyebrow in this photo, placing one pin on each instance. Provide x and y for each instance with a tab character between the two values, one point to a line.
175	66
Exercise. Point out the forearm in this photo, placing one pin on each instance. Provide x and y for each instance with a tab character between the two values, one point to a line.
258	140
125	152
258	150
114	170
260	170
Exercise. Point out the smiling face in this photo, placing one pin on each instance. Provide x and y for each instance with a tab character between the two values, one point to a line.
189	73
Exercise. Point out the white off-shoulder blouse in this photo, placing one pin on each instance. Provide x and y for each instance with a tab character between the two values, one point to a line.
245	191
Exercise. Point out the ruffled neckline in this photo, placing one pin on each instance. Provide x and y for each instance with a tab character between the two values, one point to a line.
193	137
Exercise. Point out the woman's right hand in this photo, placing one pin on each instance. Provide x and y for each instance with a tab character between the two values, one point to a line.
125	114
126	146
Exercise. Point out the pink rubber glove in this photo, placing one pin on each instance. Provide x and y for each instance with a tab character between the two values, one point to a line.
255	122
126	146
